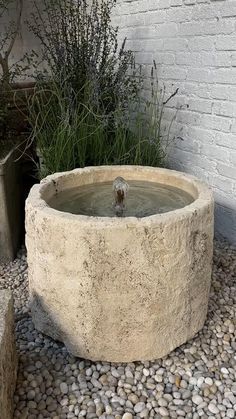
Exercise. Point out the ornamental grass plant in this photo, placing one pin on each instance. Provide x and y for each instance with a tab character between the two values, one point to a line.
89	106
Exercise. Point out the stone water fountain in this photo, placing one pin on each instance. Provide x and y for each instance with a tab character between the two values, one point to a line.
120	278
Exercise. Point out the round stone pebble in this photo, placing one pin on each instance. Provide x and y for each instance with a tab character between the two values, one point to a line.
213	408
64	388
197	399
163	411
139	407
230	413
127	416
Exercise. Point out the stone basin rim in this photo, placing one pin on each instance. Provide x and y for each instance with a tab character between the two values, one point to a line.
204	195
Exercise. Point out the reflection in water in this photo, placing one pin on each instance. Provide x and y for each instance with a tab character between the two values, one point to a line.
143	199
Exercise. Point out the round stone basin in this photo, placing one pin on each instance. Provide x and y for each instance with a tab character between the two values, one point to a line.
119	289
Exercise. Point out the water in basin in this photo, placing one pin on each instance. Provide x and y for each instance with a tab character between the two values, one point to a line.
143	199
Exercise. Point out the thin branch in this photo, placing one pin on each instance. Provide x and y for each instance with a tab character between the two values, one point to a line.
3	7
170	97
18	23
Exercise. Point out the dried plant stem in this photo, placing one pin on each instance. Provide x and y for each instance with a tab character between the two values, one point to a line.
4	56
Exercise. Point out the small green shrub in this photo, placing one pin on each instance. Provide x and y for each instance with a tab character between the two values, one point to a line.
70	134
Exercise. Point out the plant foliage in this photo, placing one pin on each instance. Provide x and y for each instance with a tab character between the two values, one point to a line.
80	47
88	107
9	70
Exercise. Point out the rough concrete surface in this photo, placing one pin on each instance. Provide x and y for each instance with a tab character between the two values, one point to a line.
8	358
11	219
119	289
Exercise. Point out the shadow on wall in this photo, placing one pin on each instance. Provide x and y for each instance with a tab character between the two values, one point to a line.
25	41
225	217
225	220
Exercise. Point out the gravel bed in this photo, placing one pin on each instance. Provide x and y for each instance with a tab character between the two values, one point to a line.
197	380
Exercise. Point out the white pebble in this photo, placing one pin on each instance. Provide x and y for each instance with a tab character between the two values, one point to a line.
139	407
213	408
127	416
64	388
162	402
209	381
163	411
146	372
230	413
197	399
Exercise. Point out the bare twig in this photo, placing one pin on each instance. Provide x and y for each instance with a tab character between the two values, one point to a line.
171	96
4	57
16	31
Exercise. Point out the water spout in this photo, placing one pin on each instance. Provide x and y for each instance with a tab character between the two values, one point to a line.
120	189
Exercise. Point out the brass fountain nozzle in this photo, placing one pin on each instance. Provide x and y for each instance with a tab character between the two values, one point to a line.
120	189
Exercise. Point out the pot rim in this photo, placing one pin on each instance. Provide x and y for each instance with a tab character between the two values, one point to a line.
203	200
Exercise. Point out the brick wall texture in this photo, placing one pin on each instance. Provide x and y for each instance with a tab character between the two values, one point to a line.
194	45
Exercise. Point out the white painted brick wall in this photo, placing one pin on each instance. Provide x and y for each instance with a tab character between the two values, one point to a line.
194	44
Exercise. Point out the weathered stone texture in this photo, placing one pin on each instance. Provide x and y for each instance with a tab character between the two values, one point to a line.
8	358
120	289
11	214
